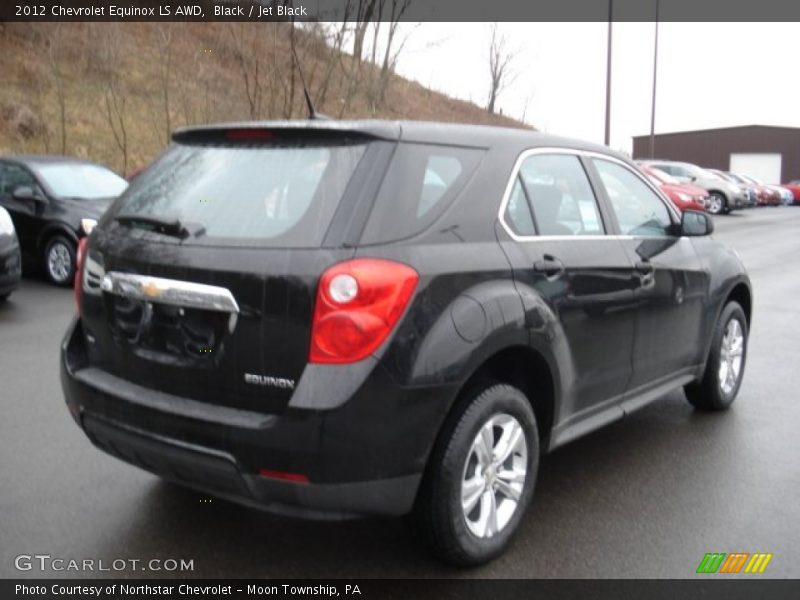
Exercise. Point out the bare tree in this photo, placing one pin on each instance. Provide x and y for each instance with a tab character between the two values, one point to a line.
528	100
164	46
288	110
39	85
364	11
500	67
115	113
54	56
335	37
109	45
392	53
248	56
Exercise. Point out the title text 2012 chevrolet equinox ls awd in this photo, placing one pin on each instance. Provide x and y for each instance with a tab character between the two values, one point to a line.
333	319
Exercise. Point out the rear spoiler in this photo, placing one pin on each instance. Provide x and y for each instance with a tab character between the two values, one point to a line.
287	132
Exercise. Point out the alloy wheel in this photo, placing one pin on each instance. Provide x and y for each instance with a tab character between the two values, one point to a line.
731	351
59	262
715	204
494	475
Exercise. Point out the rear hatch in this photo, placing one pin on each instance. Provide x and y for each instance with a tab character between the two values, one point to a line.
200	280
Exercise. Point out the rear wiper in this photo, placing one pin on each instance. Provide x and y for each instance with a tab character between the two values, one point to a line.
172	227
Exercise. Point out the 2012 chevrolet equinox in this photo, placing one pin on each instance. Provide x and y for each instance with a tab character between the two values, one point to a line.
332	319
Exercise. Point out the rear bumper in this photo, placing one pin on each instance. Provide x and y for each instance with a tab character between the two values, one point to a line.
363	457
219	474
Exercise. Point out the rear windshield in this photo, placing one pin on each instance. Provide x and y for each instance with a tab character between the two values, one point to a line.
273	195
422	181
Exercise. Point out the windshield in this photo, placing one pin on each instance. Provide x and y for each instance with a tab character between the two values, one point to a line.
285	195
79	180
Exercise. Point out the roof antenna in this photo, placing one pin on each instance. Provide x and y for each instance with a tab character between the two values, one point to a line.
312	113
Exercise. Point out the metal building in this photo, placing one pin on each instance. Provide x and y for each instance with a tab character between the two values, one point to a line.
763	151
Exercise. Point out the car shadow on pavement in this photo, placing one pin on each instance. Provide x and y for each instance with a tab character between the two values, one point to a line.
625	473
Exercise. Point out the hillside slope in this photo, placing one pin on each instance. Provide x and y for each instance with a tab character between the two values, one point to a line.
119	88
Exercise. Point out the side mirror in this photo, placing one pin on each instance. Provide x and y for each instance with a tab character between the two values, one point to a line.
696	223
27	192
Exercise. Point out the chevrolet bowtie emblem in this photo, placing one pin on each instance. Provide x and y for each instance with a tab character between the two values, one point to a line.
151	289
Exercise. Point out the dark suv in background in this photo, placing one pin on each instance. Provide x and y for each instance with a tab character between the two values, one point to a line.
54	201
332	319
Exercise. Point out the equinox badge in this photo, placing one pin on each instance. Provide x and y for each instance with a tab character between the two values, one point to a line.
269	381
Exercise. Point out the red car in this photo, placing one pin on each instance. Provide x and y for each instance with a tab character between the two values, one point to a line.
794	187
766	195
683	195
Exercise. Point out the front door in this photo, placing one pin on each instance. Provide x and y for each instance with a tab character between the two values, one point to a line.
671	282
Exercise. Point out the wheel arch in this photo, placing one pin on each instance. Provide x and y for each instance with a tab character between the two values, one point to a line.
526	369
739	291
742	294
53	229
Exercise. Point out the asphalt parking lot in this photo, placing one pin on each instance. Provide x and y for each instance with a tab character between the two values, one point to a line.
645	497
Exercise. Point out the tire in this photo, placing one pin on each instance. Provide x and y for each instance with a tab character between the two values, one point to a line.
711	393
717	204
59	261
452	533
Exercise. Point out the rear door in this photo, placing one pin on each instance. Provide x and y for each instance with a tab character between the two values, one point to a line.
671	283
561	250
200	281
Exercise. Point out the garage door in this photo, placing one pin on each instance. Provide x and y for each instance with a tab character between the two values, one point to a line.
763	166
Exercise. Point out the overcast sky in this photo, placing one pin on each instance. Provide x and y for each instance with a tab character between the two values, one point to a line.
709	74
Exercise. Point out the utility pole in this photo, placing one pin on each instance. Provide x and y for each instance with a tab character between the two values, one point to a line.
608	75
653	103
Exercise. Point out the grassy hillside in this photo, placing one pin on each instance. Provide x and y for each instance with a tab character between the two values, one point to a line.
124	86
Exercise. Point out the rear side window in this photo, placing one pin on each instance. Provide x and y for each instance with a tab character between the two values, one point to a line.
421	182
562	198
282	196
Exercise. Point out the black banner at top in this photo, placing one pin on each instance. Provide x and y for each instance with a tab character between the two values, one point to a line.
400	10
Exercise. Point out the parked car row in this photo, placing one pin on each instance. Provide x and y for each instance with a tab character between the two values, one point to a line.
723	195
761	194
683	195
719	191
53	202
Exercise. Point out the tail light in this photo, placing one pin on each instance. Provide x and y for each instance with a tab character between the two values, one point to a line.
80	262
358	304
284	476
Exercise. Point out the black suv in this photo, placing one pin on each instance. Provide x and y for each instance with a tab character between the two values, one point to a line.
333	319
54	201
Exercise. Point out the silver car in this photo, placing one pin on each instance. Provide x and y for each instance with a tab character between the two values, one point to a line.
724	196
